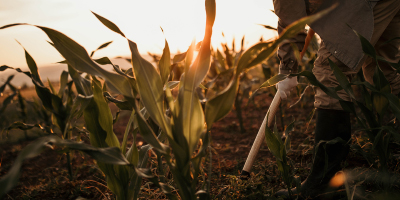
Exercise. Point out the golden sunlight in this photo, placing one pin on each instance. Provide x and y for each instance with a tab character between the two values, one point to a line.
141	21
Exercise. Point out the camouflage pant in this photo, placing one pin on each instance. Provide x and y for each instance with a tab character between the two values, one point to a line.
386	27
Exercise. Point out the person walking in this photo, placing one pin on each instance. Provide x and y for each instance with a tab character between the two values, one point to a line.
378	21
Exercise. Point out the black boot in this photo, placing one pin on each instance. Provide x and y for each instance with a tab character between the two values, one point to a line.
332	132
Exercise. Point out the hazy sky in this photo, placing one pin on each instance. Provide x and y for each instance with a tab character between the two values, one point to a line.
182	20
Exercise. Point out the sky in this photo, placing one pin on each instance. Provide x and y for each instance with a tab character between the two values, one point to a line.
181	20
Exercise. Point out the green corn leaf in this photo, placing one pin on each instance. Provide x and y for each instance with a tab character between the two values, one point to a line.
145	130
364	92
195	123
219	106
4	67
11	25
311	78
12	87
101	47
82	85
287	142
248	55
263	55
106	155
276	132
380	103
104	117
274	80
121	104
150	88
79	105
171	103
99	120
62	62
191	118
225	74
70	95
127	130
135	183
133	154
367	85
32	67
221	60
22	106
203	87
242	44
301	95
189	56
171	85
109	24
110	155
49	100
289	128
342	79
148	81
2	88
273	143
179	57
366	45
103	61
79	59
23	126
369	115
128	73
228	56
98	135
268	27
53	90
270	82
165	63
63	83
210	14
7	101
380	81
104	45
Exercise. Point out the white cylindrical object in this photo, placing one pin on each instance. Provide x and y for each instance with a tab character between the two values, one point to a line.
261	133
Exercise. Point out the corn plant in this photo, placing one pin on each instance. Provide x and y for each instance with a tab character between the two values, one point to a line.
221	73
62	103
110	155
181	123
377	102
183	129
8	100
279	149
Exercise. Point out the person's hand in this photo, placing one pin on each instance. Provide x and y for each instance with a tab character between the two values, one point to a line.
285	86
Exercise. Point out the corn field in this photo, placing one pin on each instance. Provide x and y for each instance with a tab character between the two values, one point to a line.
182	128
